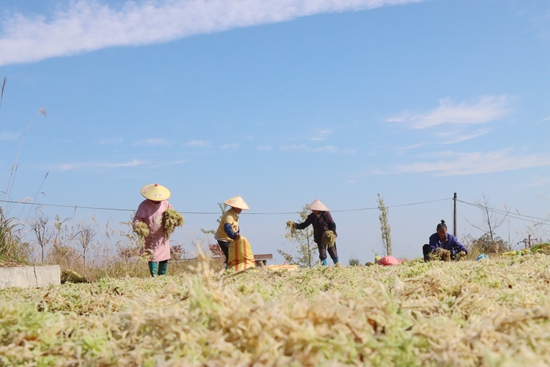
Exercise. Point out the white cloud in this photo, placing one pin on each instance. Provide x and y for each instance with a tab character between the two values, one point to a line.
8	136
87	25
461	138
74	166
153	142
111	141
172	163
198	143
455	163
411	147
294	147
321	135
230	146
487	109
265	148
323	149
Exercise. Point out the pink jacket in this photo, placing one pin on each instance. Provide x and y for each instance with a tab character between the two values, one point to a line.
151	214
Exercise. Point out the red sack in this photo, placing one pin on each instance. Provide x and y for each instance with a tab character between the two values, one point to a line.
389	261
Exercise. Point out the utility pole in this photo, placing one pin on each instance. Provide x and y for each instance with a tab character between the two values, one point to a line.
454	215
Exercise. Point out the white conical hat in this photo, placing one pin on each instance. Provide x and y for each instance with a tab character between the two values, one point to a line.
237	202
155	192
317	205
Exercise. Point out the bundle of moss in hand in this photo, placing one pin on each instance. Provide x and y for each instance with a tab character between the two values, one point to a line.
329	238
170	220
141	229
291	226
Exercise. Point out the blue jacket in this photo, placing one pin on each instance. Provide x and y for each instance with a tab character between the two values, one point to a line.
451	243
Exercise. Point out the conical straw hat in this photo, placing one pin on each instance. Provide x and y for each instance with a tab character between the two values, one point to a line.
155	192
237	202
317	205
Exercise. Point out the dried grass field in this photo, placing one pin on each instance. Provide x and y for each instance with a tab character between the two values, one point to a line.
494	312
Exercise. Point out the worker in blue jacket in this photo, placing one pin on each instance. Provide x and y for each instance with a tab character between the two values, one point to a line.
444	240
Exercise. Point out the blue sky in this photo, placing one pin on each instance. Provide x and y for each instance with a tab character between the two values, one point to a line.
282	102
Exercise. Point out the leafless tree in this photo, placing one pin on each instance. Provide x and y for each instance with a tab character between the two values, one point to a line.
492	219
42	232
85	236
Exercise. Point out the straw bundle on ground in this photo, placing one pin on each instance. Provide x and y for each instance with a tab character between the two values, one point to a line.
141	229
69	276
171	219
328	239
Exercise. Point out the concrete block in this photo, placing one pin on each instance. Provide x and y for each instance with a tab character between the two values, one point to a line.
29	276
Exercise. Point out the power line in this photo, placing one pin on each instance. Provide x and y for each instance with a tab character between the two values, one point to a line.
505	213
75	207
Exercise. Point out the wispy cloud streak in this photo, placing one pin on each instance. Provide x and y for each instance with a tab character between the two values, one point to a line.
321	149
8	136
153	142
487	109
457	163
88	25
74	166
198	143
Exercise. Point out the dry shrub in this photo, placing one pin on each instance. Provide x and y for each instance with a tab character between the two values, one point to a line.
176	252
216	250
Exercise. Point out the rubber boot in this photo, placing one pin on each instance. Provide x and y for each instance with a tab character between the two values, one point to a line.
163	267
324	262
336	261
153	268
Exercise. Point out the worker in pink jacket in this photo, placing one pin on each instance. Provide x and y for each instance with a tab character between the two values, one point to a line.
150	212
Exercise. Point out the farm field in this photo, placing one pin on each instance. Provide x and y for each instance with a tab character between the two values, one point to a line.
493	312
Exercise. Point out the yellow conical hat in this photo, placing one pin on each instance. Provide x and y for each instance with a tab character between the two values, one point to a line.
317	205
237	202
155	192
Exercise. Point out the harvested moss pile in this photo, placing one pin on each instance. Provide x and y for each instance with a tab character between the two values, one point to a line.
440	254
170	220
494	313
141	229
329	239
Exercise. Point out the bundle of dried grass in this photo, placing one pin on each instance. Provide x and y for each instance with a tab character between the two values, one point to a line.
69	276
329	238
141	229
440	254
291	226
543	248
460	256
170	220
